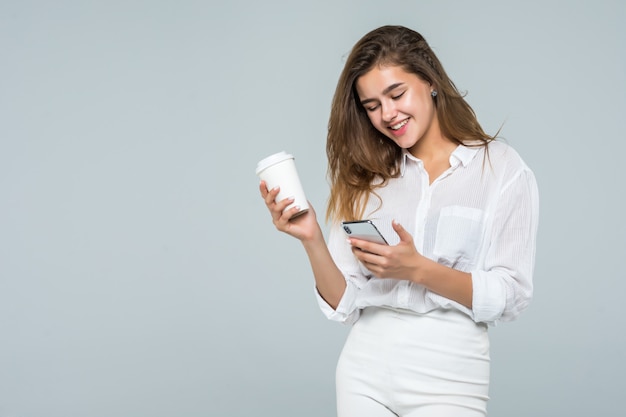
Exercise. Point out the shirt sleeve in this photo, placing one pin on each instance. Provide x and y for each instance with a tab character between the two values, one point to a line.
503	287
347	311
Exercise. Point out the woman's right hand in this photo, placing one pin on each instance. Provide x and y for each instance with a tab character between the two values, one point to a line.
303	227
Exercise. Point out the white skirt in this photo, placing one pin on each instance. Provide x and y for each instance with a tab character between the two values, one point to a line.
400	363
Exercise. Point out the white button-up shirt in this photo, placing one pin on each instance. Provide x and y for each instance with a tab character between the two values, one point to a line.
480	216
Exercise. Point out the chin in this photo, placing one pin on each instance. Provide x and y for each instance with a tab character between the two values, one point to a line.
405	143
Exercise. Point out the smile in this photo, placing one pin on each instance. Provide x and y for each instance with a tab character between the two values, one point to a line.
399	125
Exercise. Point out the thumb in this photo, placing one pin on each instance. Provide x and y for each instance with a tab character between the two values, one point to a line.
402	233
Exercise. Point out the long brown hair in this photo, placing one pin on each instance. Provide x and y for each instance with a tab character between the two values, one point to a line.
360	158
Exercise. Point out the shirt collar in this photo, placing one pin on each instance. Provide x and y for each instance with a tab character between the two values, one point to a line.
461	155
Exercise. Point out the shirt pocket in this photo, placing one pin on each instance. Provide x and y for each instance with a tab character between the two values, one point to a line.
459	235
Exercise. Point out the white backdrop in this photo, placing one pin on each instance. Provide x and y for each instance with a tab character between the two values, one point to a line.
140	274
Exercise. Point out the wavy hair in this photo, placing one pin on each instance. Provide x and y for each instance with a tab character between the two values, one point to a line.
360	158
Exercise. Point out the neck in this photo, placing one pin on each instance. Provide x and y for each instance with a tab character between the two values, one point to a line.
433	148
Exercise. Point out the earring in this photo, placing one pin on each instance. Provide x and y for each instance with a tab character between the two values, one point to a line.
433	93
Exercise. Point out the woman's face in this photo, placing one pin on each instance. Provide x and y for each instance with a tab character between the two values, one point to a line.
399	105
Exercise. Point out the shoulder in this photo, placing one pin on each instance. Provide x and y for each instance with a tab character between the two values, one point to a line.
504	157
503	151
507	168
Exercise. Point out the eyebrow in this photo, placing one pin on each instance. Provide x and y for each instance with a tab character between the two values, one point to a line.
385	91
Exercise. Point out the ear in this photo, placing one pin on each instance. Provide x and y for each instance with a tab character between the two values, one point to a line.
433	86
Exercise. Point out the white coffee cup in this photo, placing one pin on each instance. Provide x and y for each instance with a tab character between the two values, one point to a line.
280	170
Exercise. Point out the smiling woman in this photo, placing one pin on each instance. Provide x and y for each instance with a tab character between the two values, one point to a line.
459	210
400	105
390	62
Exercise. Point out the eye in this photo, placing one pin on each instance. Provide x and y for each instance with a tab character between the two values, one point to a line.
397	96
370	106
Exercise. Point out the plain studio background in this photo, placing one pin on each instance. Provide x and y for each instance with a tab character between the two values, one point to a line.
140	274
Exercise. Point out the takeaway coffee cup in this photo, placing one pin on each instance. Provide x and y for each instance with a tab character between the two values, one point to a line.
280	170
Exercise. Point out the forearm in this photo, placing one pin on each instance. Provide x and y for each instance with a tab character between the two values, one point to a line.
447	282
329	280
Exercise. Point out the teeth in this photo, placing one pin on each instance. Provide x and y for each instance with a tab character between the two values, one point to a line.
399	125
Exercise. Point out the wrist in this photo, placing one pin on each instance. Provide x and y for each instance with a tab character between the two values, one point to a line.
420	270
314	238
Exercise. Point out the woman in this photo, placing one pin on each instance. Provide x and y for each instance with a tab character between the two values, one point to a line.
459	210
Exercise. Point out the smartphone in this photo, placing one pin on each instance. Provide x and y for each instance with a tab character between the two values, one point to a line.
363	229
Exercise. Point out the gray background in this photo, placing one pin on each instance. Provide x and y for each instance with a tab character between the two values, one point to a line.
140	274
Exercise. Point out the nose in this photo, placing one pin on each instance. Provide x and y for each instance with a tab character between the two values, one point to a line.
389	112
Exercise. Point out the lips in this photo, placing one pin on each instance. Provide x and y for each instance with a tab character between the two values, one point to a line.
400	125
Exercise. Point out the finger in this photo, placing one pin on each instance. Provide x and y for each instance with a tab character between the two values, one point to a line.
279	212
263	188
289	213
367	246
270	197
281	206
359	254
403	234
370	260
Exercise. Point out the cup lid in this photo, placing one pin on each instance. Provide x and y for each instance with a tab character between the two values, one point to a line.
272	160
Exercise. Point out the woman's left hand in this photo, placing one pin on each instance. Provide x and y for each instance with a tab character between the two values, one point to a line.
401	261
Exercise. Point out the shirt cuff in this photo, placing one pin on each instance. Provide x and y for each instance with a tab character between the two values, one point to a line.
345	312
488	299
